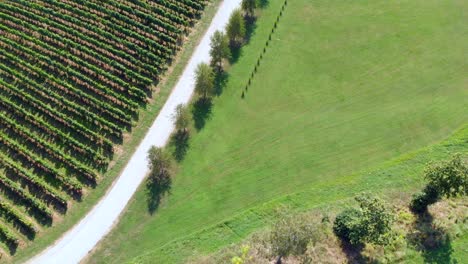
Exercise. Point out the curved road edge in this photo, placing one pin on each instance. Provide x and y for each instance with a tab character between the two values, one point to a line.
74	245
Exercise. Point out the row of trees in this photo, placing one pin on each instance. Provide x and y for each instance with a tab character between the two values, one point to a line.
161	163
222	45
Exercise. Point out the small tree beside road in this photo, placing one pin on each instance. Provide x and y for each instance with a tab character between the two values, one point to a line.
204	81
219	49
236	28
182	119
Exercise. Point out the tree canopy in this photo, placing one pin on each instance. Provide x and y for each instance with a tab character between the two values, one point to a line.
219	49
447	179
369	224
160	164
182	118
249	6
236	28
204	80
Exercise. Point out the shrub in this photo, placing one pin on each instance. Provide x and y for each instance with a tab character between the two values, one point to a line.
345	223
291	235
369	224
445	179
449	178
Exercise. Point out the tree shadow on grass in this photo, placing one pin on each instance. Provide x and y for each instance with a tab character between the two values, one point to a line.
221	79
201	111
236	52
431	240
180	141
250	27
353	252
236	49
156	191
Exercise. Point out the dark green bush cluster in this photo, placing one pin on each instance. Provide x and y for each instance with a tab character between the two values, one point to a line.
445	179
424	198
346	223
369	224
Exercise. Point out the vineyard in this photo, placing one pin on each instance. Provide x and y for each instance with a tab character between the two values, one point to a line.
73	76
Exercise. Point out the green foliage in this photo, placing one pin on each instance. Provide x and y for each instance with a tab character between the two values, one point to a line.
160	165
236	28
182	118
249	6
446	179
291	235
219	49
449	178
204	80
376	220
369	224
346	222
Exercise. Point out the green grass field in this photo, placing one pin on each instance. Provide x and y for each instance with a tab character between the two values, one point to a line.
344	87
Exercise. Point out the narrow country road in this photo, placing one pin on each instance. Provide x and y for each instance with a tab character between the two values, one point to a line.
77	242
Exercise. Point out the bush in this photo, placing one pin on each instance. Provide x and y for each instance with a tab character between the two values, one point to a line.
445	179
368	224
449	178
291	235
345	223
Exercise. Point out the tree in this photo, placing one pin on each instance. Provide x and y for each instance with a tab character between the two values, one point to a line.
446	179
369	224
159	180
160	165
236	28
204	80
182	119
249	7
219	49
346	222
450	178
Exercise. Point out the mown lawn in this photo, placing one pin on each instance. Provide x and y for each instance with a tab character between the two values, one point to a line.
343	87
